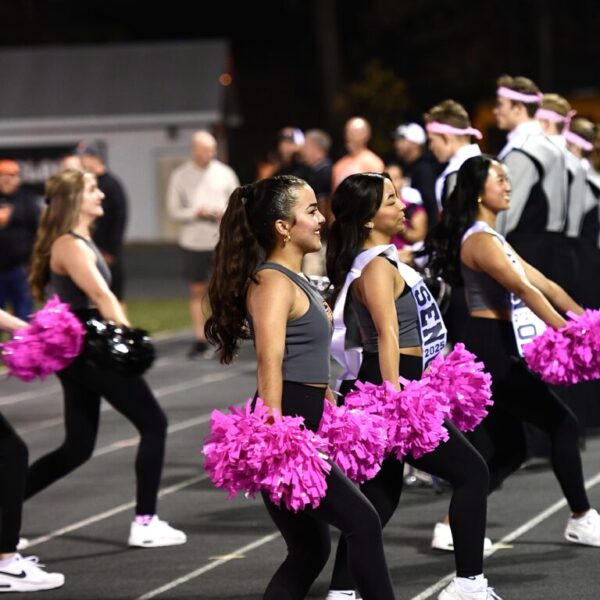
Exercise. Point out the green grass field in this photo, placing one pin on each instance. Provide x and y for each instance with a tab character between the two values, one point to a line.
159	315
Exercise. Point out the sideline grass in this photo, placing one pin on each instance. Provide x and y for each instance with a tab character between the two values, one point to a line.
159	314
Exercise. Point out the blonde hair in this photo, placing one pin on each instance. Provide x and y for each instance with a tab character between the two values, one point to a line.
64	191
558	104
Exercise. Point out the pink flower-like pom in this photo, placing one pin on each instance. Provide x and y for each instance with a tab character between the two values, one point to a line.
51	341
357	440
570	354
414	417
463	381
245	452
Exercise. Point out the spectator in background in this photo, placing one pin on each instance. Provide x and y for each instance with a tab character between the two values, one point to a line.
290	141
19	217
197	196
420	168
110	229
357	133
71	161
314	154
411	237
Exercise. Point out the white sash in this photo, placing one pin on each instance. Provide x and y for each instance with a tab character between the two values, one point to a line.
526	324
431	326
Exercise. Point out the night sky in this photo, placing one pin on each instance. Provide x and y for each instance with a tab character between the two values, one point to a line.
324	60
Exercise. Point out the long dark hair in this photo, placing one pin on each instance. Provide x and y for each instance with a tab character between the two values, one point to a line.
443	242
354	203
246	236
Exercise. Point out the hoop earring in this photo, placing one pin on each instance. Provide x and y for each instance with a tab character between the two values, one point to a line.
369	225
286	238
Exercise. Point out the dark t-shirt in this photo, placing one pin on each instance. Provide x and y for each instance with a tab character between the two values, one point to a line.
110	229
319	178
18	236
423	173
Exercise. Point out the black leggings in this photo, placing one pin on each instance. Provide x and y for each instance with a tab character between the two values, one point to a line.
306	533
13	472
519	396
83	387
456	461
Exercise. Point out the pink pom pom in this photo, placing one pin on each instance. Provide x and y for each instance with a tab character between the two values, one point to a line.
462	380
283	459
414	417
570	354
50	342
357	440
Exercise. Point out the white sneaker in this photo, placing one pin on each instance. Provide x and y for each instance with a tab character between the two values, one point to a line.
585	530
453	592
155	534
442	539
342	595
27	575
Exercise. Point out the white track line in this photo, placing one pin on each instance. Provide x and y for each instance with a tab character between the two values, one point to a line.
210	566
507	539
113	511
513	535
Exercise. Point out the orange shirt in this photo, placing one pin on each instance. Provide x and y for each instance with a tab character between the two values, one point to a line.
363	162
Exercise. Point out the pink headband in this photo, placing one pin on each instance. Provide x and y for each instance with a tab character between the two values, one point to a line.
550	115
436	127
577	140
518	96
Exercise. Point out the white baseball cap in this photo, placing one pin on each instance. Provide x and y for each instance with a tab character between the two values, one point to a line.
412	132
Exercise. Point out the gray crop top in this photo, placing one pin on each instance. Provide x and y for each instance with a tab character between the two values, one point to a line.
307	338
408	325
67	289
482	291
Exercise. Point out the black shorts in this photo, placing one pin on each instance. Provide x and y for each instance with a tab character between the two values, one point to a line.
197	265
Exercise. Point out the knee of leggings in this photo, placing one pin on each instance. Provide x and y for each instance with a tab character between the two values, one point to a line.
473	472
19	453
315	555
568	427
366	524
76	455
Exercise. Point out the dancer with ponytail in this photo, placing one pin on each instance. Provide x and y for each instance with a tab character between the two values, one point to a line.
278	219
66	257
401	331
500	286
17	573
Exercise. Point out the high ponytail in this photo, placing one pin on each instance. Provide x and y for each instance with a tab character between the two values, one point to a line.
246	236
443	242
355	202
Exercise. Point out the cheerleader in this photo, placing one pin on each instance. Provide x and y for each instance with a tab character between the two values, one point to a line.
17	573
278	219
65	256
500	286
401	331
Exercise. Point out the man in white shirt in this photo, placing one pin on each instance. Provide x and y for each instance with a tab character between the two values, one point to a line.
197	196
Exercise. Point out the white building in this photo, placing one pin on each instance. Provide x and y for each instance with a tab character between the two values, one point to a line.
142	100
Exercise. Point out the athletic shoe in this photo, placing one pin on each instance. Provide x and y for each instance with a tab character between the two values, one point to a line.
342	595
442	539
453	592
199	349
585	530
155	534
27	575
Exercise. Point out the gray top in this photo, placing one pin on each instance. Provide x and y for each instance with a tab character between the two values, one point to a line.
482	291
307	338
408	326
67	289
538	201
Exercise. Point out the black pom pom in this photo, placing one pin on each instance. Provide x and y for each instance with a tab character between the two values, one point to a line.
125	350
